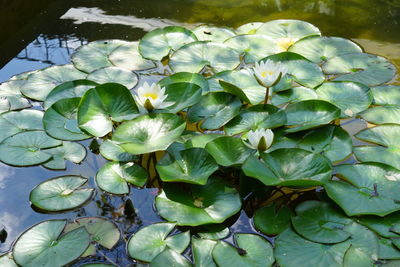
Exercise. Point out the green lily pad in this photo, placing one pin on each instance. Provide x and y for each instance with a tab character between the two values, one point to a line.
320	48
382	226
382	114
195	56
111	150
170	257
320	222
94	55
128	57
272	220
296	94
193	165
356	257
61	193
6	260
38	245
215	34
301	70
202	252
151	240
308	114
368	69
252	250
183	95
196	204
288	28
101	230
213	231
96	265
370	189
385	135
27	148
159	42
256	117
252	47
149	133
14	122
102	105
60	120
249	28
214	110
228	150
291	250
11	96
115	177
387	250
363	239
352	98
201	140
39	84
385	94
303	169
68	90
186	77
114	75
71	151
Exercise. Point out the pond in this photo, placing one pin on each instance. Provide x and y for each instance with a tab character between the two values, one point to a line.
51	39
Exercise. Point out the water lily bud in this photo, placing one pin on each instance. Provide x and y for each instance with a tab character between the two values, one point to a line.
152	97
268	73
260	139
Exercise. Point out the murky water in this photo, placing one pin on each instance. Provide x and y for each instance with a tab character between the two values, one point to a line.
374	24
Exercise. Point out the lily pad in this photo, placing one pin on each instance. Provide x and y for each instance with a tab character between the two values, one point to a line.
60	120
114	75
386	136
20	121
308	114
296	94
102	105
252	250
201	140
352	98
368	69
320	222
320	48
6	260
387	250
27	148
386	95
196	204
288	28
215	34
68	90
213	231
71	151
249	28
115	177
61	193
159	42
370	189
356	257
202	252
195	56
96	265
183	95
304	168
151	240
214	110
186	77
149	133
170	257
128	57
382	226
291	250
228	150
382	114
363	239
40	83
111	150
11	96
193	165
256	117
38	245
272	220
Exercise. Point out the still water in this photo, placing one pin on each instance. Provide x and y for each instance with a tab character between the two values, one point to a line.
55	31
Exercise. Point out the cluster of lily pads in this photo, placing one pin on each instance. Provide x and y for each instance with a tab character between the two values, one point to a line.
221	121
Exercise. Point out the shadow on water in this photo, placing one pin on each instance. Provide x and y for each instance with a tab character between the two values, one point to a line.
54	31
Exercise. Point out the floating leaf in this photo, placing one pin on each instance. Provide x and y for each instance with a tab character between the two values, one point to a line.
102	105
382	226
251	250
296	94
356	257
151	240
272	220
149	133
387	250
128	57
6	260
202	252
61	193
19	121
159	42
71	151
215	34
228	150
364	68
288	28
363	239
11	96
114	75
186	77
195	56
112	151
213	231
170	258
196	204
96	265
303	169
38	245
115	177
249	28
386	95
183	95
382	114
201	140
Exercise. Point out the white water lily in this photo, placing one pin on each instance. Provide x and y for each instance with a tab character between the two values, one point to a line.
284	43
152	97
268	73
260	139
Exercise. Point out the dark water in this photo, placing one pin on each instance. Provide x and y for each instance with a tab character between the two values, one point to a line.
51	34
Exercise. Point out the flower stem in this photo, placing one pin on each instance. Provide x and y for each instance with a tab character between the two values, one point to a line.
266	95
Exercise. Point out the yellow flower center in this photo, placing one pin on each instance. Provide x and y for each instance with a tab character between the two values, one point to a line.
151	95
265	73
285	43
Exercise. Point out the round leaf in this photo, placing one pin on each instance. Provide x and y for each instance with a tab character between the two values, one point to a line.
113	151
114	75
287	28
186	77
272	220
6	260
183	95
296	94
249	28
228	150
382	114
356	257
386	95
128	57
19	121
215	34
170	258
202	249
71	151
11	96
